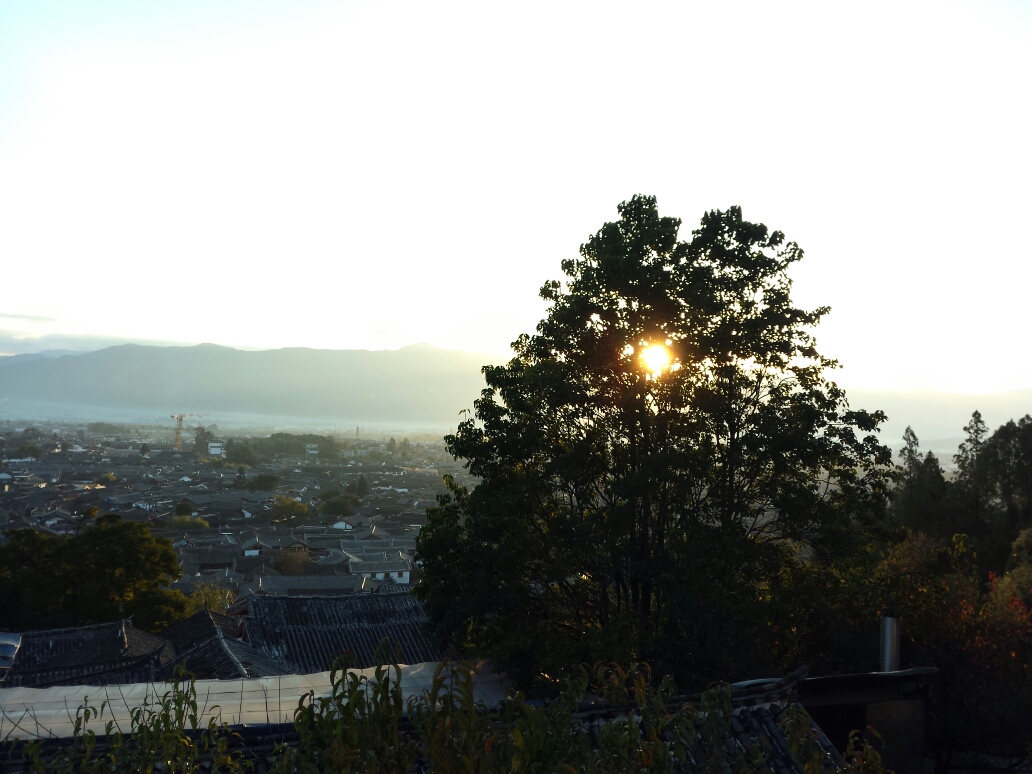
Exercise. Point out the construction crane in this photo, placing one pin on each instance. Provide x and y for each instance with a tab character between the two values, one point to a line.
178	444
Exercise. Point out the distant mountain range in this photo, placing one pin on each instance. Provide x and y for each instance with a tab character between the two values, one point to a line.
938	418
419	383
22	358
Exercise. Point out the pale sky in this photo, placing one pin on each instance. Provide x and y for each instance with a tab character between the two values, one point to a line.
371	175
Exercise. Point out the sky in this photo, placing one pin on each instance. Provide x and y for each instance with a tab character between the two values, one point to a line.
371	175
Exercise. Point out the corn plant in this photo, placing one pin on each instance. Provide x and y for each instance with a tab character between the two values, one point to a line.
165	735
363	726
353	729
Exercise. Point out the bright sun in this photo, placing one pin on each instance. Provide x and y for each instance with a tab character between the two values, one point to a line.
656	358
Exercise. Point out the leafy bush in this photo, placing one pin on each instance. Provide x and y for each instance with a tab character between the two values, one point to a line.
288	511
353	729
339	505
188	522
209	595
364	726
642	728
165	734
263	482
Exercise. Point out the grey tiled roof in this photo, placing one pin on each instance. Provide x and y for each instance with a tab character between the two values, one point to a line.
759	727
321	585
377	563
88	655
310	632
198	628
223	658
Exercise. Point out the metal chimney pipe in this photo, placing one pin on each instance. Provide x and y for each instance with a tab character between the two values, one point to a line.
889	640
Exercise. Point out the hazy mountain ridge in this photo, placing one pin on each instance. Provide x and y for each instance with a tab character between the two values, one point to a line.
27	356
415	383
939	418
419	383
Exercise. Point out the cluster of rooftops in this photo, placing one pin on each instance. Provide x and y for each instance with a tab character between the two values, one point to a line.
262	636
253	664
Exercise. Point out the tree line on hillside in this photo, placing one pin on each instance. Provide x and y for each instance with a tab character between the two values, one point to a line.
668	473
988	498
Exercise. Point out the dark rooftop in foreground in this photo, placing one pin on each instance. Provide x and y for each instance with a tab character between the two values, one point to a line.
223	658
114	652
199	628
308	633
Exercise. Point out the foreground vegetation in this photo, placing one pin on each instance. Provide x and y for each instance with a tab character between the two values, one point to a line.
364	725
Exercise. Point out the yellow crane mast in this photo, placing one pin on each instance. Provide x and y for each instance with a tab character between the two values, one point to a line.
178	443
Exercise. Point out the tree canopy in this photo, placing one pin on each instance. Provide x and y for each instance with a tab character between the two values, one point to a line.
359	488
28	449
263	482
112	569
651	456
339	504
288	511
202	436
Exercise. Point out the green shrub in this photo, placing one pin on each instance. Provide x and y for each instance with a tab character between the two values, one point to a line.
363	726
353	729
188	522
165	735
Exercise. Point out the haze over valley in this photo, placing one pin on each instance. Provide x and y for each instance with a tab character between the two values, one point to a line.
418	388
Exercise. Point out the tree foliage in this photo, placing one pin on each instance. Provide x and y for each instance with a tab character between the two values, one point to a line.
263	482
28	449
209	595
188	522
238	453
359	487
250	451
989	499
627	512
112	569
339	504
359	727
202	436
288	511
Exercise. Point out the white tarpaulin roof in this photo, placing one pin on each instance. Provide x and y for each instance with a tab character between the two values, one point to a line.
41	713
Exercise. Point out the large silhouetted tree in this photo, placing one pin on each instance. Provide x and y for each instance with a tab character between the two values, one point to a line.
650	457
